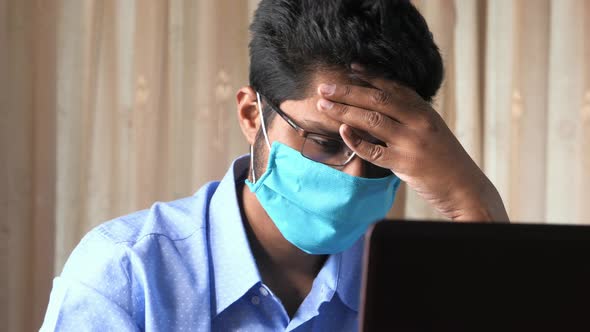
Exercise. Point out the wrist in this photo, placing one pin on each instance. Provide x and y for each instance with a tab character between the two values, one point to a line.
481	203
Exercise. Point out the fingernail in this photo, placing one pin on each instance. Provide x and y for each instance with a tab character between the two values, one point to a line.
357	67
326	104
327	89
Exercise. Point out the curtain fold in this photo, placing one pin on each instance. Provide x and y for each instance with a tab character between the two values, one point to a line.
568	127
108	106
27	166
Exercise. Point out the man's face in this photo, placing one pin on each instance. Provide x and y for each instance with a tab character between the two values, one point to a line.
304	113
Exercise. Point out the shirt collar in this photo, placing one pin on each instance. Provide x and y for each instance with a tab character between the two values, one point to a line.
349	276
233	265
342	275
339	276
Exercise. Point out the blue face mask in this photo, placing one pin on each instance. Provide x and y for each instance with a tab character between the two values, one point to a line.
317	208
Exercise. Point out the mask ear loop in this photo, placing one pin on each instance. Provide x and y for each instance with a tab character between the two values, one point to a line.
252	163
265	137
262	119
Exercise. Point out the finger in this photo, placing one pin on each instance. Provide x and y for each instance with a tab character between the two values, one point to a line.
367	98
373	123
381	83
374	153
404	94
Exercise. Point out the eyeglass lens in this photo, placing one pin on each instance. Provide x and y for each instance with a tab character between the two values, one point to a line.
325	150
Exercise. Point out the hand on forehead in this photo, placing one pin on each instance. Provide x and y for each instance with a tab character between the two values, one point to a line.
304	111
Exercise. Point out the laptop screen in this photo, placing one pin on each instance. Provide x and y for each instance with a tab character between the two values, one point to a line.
440	276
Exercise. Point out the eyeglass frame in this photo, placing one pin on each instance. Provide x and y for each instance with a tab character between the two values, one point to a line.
304	133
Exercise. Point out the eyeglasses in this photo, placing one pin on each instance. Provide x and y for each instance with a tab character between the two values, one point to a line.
317	147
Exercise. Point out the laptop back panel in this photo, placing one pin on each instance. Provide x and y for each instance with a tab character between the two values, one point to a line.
433	276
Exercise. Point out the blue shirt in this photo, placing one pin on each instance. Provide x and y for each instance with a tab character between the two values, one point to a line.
187	266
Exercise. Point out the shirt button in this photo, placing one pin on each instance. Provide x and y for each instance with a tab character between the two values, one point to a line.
263	291
255	300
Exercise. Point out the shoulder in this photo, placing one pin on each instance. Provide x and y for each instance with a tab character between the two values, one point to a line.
160	252
134	234
110	245
175	220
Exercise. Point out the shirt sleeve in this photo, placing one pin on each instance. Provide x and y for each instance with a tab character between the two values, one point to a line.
94	291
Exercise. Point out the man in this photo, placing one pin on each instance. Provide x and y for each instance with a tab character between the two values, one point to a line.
276	245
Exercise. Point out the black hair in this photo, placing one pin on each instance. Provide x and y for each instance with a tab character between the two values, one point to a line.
293	39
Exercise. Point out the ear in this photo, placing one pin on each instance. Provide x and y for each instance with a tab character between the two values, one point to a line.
248	114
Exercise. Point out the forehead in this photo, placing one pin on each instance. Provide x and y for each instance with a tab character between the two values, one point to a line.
304	111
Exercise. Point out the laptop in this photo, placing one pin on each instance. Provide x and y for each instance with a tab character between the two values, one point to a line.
443	276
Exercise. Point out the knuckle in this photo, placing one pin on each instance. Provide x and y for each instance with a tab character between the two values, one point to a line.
397	89
344	109
376	152
421	120
420	144
346	91
430	125
426	117
380	97
426	122
374	119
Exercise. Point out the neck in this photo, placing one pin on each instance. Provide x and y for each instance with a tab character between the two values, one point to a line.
287	270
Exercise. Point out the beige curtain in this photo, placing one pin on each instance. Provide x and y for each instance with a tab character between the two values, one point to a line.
517	95
108	106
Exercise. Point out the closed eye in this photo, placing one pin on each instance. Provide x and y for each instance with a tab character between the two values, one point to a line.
327	145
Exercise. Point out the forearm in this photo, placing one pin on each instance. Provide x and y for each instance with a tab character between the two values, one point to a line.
483	206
